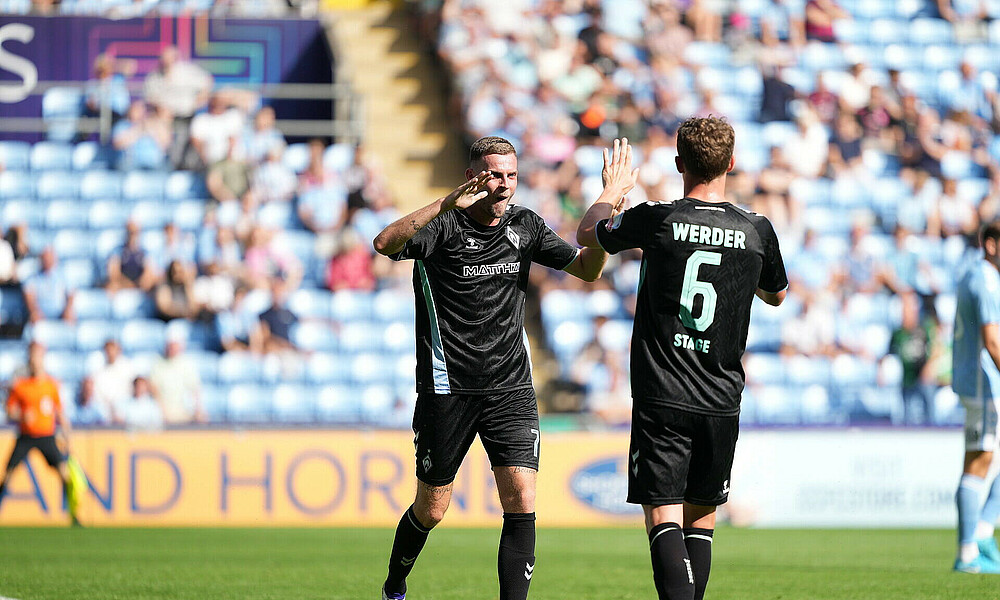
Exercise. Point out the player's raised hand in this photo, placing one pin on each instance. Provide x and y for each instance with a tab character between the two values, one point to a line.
618	171
469	193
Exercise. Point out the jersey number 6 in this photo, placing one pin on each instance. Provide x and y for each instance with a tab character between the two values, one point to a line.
694	287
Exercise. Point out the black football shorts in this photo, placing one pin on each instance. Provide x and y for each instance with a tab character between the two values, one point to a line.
46	445
678	456
444	426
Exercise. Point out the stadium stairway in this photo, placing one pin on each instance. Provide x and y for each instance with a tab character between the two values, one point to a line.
403	91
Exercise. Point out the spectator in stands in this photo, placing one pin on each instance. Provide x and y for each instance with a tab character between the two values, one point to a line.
216	134
705	19
351	266
776	97
48	294
179	85
773	196
130	267
913	343
108	89
177	245
141	140
177	385
262	137
228	179
238	325
951	214
17	237
275	325
855	89
264	262
820	17
8	264
141	412
806	150
782	22
175	297
88	411
845	147
273	181
112	381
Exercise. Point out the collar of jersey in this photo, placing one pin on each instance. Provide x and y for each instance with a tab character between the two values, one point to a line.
486	228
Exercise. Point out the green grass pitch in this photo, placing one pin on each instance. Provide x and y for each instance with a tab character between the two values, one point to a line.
460	564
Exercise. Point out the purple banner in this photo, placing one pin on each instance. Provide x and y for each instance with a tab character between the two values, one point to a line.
245	51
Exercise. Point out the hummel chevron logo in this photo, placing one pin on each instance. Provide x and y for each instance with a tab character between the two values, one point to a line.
635	465
528	571
407	561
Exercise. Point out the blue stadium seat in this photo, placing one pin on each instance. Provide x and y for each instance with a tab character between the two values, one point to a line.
63	214
777	405
293	404
214	400
51	156
942	58
569	337
392	305
106	243
925	32
91	334
91	303
185	185
589	159
983	58
296	157
888	31
143	335
314	337
903	58
361	336
12	359
398	337
277	215
377	404
65	366
16	184
21	211
300	243
54	335
337	404
807	371
132	304
368	369
337	157
101	185
207	363
850	31
248	404
709	54
763	338
189	214
239	367
350	305
108	214
327	368
14	155
73	243
79	273
151	214
765	369
143	185
821	57
61	107
816	408
91	155
56	184
311	304
562	305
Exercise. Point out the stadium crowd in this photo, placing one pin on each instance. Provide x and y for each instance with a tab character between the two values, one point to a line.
866	132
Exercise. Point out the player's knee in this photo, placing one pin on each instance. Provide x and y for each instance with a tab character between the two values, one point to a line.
519	500
430	514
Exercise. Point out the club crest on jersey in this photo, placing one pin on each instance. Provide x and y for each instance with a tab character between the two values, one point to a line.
513	237
472	244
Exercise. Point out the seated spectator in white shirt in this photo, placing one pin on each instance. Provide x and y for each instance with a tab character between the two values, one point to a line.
113	380
177	385
263	136
141	412
48	294
213	132
179	85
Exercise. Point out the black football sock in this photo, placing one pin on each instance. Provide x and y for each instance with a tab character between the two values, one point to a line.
409	540
699	547
672	572
516	558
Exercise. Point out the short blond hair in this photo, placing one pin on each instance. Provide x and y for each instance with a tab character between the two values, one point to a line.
490	144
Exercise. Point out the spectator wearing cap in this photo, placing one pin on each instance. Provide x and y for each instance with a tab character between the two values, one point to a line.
177	385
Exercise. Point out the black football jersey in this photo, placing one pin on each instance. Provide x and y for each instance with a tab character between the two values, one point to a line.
701	264
469	280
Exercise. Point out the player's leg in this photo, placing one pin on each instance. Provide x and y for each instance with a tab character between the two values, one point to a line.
57	460
509	432
699	531
659	462
443	427
990	512
713	450
21	448
980	439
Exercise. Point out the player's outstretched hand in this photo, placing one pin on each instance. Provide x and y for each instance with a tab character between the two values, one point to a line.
469	193
618	172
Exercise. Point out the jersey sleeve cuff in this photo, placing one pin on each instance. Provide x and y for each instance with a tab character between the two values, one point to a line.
575	256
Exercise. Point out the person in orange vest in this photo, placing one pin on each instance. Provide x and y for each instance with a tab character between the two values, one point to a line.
35	406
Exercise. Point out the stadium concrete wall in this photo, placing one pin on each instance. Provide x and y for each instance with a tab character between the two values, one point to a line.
348	478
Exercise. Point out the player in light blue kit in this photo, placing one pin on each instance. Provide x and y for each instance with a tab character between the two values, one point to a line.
976	379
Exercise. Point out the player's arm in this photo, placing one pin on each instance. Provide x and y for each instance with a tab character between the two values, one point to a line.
588	264
392	239
13	408
772	298
619	178
991	341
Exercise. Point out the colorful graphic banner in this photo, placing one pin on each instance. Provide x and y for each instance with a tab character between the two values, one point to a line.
833	478
235	51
